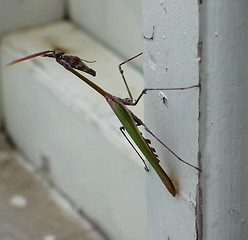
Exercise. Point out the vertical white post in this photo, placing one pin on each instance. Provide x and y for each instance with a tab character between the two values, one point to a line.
171	55
224	119
171	60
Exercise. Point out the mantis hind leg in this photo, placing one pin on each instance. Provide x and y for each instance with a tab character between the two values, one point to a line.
140	123
170	150
122	129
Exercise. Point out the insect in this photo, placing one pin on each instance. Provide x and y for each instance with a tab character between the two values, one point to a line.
129	121
74	61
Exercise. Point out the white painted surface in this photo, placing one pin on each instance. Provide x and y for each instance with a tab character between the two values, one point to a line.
224	119
117	23
171	61
15	13
51	114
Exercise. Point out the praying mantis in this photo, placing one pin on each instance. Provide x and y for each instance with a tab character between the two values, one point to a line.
129	121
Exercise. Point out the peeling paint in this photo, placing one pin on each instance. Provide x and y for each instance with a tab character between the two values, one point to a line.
152	34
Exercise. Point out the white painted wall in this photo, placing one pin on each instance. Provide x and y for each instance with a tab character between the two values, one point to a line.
171	60
16	14
116	23
224	119
56	116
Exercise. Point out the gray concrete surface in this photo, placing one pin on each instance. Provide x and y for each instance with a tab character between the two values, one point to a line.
30	209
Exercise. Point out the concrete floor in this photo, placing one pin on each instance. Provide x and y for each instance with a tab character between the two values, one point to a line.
30	209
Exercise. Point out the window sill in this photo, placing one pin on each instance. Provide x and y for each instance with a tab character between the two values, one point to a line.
66	128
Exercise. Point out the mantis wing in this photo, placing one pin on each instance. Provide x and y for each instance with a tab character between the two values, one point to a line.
127	120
